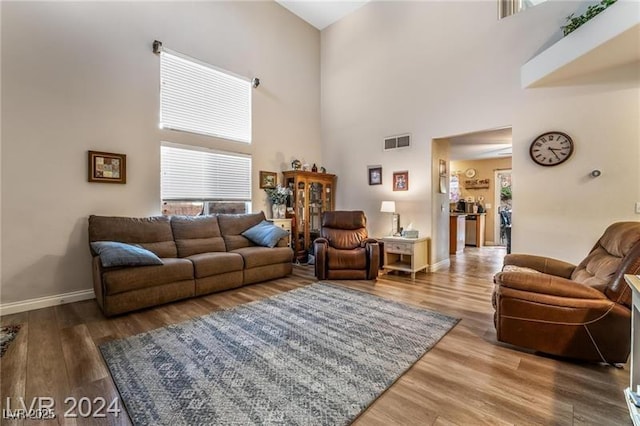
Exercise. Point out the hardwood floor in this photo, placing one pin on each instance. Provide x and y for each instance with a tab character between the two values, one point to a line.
467	378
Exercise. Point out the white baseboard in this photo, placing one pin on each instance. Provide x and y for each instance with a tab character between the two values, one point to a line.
45	302
439	265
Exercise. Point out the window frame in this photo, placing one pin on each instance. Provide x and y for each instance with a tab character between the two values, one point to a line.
171	103
207	200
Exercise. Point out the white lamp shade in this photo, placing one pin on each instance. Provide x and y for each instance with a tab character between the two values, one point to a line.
388	207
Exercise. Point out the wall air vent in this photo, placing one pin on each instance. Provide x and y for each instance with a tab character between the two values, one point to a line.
396	142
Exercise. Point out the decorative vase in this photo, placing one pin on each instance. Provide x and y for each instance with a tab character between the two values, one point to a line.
282	211
274	211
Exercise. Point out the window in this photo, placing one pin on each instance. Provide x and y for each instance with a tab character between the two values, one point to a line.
199	98
199	180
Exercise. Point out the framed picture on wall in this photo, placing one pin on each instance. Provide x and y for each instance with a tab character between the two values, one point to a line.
443	184
268	179
107	167
375	175
401	181
442	168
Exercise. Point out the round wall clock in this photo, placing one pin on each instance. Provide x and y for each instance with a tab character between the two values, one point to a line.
470	173
551	148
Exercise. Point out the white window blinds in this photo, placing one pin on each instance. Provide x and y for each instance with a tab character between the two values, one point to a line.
201	174
196	97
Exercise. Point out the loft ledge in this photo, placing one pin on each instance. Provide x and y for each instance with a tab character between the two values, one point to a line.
609	40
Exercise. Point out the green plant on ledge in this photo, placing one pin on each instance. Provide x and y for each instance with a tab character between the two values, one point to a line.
573	22
505	193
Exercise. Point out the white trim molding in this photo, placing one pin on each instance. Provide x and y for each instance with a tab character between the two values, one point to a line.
439	265
45	302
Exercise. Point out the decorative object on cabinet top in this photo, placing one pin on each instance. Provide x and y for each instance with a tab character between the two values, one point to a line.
308	173
296	165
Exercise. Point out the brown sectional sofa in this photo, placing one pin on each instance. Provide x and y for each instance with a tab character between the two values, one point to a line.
201	255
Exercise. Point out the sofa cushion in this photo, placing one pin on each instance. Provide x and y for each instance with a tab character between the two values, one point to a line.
151	233
265	234
134	278
214	263
113	253
197	234
233	225
261	256
347	259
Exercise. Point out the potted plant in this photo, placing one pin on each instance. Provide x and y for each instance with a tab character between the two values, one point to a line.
278	197
573	22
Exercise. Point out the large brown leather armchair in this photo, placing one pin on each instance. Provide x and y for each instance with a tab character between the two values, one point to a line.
580	312
344	251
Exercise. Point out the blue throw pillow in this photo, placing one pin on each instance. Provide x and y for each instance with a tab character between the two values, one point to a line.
113	253
265	234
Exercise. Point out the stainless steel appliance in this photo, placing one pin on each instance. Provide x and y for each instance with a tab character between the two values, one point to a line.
471	237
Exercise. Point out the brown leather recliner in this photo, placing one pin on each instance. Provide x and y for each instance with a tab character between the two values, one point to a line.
344	251
580	312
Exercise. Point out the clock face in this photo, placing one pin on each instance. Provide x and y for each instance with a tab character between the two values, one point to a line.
470	173
551	148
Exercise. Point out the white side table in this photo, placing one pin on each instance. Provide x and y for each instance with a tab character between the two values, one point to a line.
634	282
406	254
284	224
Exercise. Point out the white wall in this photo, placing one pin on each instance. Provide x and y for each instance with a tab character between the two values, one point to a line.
439	247
438	69
82	76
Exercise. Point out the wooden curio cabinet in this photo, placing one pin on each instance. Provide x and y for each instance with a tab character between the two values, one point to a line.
312	194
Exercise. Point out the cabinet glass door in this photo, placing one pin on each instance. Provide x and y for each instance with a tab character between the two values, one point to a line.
315	209
299	209
328	197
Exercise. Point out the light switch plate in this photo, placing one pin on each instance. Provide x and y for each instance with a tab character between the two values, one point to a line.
638	207
487	206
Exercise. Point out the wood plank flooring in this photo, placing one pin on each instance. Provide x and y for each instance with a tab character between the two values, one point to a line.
466	379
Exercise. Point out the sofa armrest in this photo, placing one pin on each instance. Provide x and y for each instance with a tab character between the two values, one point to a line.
373	259
542	264
320	248
546	284
367	241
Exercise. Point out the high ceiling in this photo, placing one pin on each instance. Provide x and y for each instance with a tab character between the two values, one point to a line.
321	13
472	146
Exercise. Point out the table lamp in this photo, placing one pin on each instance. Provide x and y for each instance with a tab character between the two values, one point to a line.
389	207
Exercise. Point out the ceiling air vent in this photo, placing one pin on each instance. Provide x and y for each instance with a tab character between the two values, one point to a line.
397	142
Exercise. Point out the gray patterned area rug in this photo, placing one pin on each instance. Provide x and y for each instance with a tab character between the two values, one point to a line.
317	355
7	334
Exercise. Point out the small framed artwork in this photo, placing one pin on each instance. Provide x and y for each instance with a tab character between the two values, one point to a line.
442	169
375	175
443	184
401	181
268	179
107	167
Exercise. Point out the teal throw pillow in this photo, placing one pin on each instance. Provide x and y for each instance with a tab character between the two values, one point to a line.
265	234
113	253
